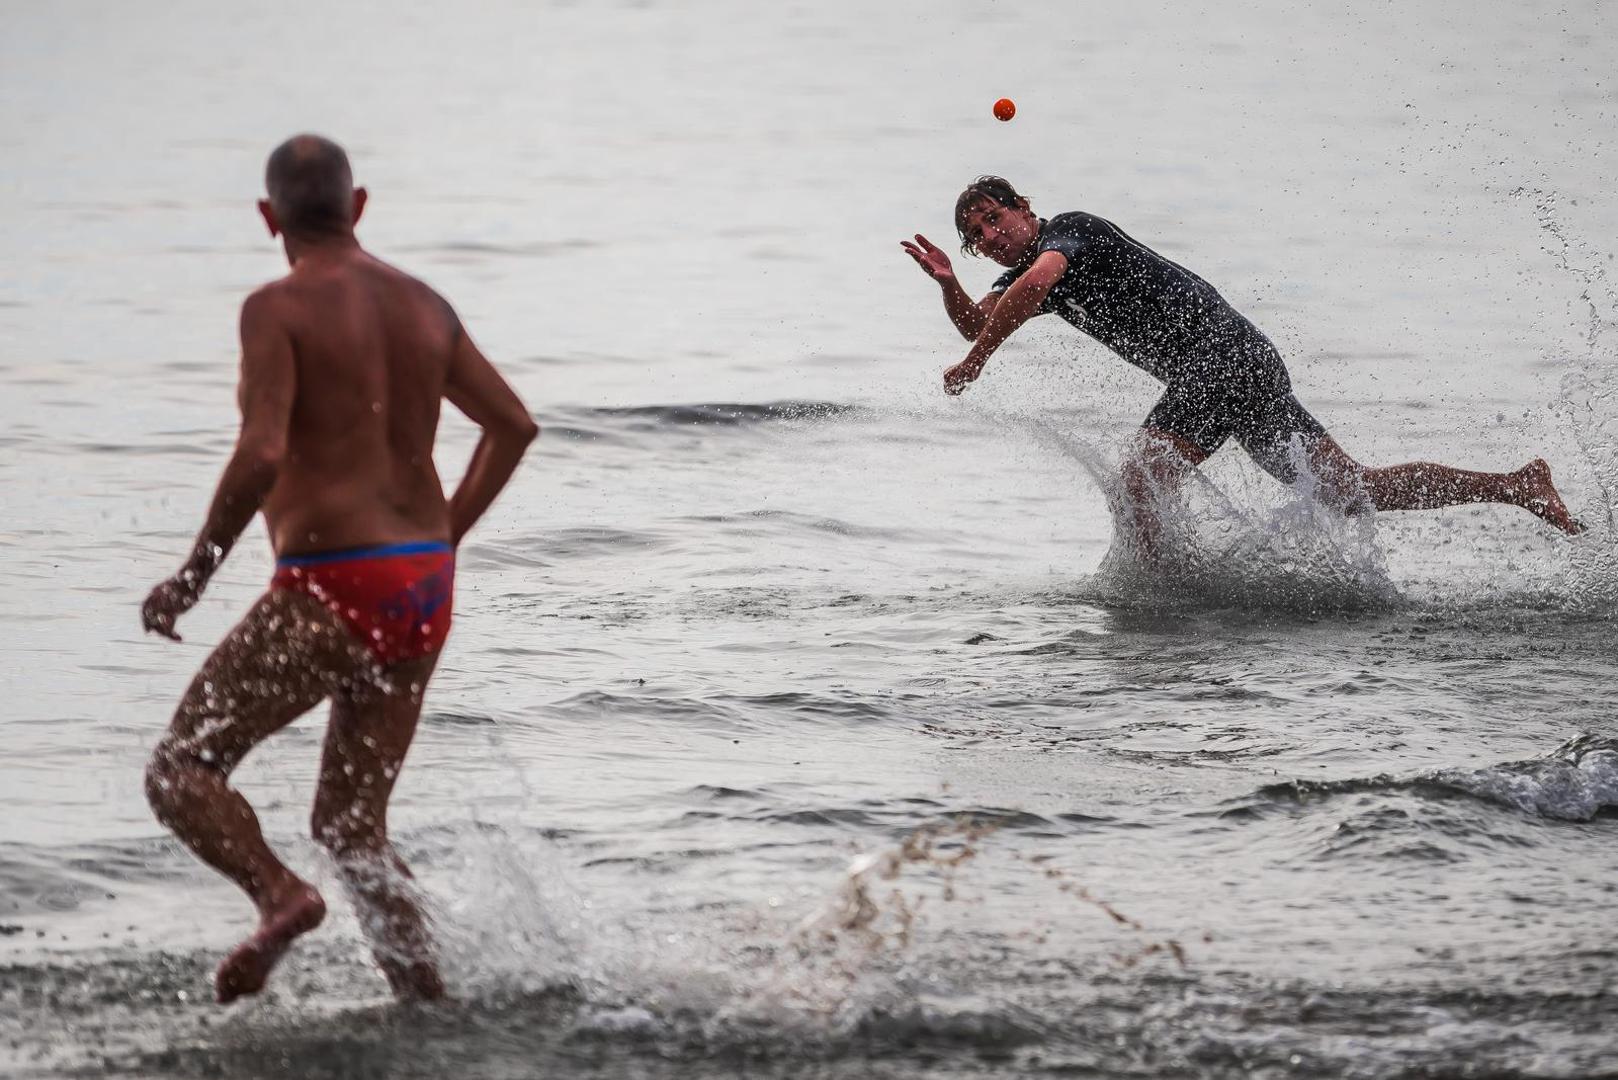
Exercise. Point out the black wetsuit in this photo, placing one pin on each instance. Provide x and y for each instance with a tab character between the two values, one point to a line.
1224	378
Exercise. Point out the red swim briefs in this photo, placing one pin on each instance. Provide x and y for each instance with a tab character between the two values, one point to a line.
395	598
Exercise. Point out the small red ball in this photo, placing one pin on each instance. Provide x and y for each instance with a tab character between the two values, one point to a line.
1005	109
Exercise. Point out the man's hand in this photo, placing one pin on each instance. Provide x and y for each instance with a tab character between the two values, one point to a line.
933	262
168	602
956	378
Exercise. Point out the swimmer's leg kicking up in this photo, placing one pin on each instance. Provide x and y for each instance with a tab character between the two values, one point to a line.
1159	461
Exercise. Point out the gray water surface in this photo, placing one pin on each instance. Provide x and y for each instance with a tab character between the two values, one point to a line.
797	720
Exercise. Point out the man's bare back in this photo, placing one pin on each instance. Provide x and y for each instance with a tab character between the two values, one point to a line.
374	348
344	363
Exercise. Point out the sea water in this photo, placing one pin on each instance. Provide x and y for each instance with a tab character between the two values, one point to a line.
799	720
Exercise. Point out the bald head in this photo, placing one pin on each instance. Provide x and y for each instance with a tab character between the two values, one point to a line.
310	185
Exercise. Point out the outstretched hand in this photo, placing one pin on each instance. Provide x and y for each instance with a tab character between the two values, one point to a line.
933	262
957	377
166	603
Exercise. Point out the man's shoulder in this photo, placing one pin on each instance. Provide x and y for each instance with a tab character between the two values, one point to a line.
1072	224
269	301
1071	219
292	290
413	288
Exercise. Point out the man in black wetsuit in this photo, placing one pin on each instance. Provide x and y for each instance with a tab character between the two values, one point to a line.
1223	378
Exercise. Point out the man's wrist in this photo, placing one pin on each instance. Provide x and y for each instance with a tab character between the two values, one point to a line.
200	567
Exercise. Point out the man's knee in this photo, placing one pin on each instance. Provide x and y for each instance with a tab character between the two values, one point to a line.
1340	477
1154	466
171	762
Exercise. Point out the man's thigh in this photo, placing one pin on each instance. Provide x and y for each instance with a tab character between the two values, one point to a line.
1191	418
370	733
286	655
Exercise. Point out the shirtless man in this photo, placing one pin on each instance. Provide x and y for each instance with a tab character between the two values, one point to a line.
344	363
1223	377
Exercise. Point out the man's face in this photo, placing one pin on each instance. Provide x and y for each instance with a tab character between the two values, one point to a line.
1001	233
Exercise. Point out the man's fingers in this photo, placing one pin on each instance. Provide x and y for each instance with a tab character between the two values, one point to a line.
155	618
163	626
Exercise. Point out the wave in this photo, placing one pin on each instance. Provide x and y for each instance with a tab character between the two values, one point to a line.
1577	781
728	712
470	250
37	880
606	421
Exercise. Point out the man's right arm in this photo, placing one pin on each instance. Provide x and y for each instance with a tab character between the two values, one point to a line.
969	318
476	388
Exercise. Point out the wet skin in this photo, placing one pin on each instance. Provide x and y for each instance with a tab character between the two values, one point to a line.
345	361
1159	460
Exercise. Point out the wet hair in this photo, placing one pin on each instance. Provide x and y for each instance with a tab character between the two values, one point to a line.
310	185
985	189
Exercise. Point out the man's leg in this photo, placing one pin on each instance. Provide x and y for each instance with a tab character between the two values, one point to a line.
1422	485
370	732
278	663
1153	469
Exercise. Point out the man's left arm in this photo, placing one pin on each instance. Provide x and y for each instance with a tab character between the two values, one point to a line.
268	387
1019	303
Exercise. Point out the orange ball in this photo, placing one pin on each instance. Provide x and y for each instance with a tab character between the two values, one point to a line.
1005	109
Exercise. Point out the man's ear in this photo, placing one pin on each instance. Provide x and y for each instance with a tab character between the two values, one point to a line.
360	195
267	212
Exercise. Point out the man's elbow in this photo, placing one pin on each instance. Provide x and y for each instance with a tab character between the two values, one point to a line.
262	458
519	430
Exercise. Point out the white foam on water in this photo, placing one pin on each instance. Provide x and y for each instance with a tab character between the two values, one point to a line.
1253	544
1588	404
512	920
1574	782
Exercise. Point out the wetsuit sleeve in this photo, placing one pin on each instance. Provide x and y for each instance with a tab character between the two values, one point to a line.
1057	238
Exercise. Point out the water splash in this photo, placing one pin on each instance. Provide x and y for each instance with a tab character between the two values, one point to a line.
1258	546
1588	404
1574	782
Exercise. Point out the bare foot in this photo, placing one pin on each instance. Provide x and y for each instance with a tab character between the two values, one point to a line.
1539	497
245	970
